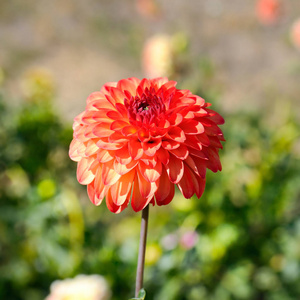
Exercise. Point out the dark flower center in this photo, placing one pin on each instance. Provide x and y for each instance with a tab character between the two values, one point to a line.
145	109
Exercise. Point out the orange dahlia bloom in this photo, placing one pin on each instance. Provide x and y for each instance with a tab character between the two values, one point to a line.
136	139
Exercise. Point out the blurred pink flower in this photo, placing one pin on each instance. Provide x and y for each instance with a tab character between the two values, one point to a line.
295	34
268	11
82	287
189	239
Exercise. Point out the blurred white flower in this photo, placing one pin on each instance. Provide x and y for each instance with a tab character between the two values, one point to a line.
157	56
82	287
170	241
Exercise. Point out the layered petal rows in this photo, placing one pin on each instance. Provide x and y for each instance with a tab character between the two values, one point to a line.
136	139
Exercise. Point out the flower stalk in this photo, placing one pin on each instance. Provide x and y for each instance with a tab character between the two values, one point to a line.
142	251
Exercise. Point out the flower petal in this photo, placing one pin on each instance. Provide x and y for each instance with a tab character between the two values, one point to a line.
113	207
102	130
75	147
177	134
170	145
104	156
138	201
150	173
91	148
147	189
186	184
166	189
123	169
119	191
118	125
181	152
105	144
129	85
163	155
84	174
100	188
123	156
135	149
117	137
109	175
92	195
174	169
213	162
151	147
192	127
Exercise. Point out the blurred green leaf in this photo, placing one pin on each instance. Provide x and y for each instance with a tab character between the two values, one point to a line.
141	295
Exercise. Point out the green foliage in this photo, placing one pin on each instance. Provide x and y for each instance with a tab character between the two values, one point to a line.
239	241
141	295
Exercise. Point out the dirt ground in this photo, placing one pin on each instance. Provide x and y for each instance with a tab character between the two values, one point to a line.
87	43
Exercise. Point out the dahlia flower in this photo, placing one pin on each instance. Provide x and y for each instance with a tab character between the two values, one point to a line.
137	139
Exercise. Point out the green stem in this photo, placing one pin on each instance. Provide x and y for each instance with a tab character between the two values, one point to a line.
142	251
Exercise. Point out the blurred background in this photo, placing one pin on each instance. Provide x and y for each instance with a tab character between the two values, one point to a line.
241	240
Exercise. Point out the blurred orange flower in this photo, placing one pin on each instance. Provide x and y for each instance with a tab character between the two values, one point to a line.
295	34
138	138
147	8
268	11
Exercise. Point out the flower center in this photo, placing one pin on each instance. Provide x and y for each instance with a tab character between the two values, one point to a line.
145	109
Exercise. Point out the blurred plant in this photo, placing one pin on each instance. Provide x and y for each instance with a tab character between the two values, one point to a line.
140	296
247	221
38	85
41	221
82	287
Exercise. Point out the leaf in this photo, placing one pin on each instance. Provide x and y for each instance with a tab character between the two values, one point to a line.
141	295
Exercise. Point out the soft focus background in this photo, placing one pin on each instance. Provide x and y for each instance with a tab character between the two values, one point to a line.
241	240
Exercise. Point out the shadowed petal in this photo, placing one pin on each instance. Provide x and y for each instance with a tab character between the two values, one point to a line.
138	201
150	173
163	155
186	184
114	207
109	175
174	169
119	191
177	134
213	162
181	152
166	189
